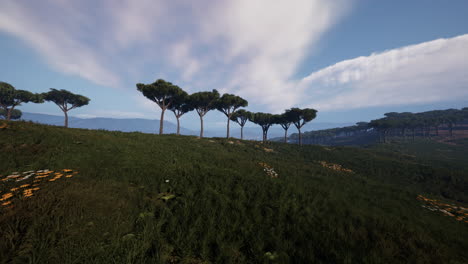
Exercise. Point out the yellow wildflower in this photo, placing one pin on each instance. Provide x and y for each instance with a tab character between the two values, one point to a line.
6	196
24	185
14	189
6	203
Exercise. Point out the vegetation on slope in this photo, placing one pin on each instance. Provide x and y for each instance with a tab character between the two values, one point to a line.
402	126
222	205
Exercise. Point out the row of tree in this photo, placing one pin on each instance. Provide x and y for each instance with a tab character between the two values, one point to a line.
399	124
10	98
324	136
169	96
403	125
394	124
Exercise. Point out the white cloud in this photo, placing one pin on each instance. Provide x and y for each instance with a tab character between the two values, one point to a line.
182	58
113	114
55	35
265	41
433	71
251	48
131	21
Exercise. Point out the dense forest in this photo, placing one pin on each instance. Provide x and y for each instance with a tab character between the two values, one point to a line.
406	125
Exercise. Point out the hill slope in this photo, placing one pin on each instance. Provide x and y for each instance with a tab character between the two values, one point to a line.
140	198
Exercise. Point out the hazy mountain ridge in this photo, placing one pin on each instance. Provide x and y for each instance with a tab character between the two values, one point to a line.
113	124
152	126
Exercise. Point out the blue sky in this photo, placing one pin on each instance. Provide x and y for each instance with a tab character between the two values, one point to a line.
350	60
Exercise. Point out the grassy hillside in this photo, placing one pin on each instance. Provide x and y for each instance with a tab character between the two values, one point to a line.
139	198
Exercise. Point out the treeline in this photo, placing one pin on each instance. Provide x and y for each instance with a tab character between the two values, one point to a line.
10	98
418	124
325	136
171	97
168	97
404	125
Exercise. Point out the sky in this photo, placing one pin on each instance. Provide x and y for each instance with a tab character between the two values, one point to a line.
352	60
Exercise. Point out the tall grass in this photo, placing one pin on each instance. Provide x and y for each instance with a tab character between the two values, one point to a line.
226	208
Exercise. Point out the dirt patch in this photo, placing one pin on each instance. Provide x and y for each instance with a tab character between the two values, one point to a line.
458	212
268	150
333	166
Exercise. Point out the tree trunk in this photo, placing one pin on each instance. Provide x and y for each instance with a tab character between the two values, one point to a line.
178	125
8	117
300	137
227	132
242	132
437	130
66	118
161	121
414	132
285	136
9	112
451	129
201	126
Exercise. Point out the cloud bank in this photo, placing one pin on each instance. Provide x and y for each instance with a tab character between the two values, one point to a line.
433	71
248	47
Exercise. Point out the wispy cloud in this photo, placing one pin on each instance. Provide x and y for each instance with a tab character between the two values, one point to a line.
266	40
246	47
251	48
112	113
57	37
433	71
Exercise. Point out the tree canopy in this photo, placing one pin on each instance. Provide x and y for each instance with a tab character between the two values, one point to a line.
423	121
11	98
325	136
162	93
203	102
300	117
15	114
228	104
285	122
265	120
65	100
241	117
180	105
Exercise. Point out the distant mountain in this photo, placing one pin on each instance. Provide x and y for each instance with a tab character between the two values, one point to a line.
152	126
113	124
255	132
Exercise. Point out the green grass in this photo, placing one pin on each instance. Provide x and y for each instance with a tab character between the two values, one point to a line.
226	209
452	154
